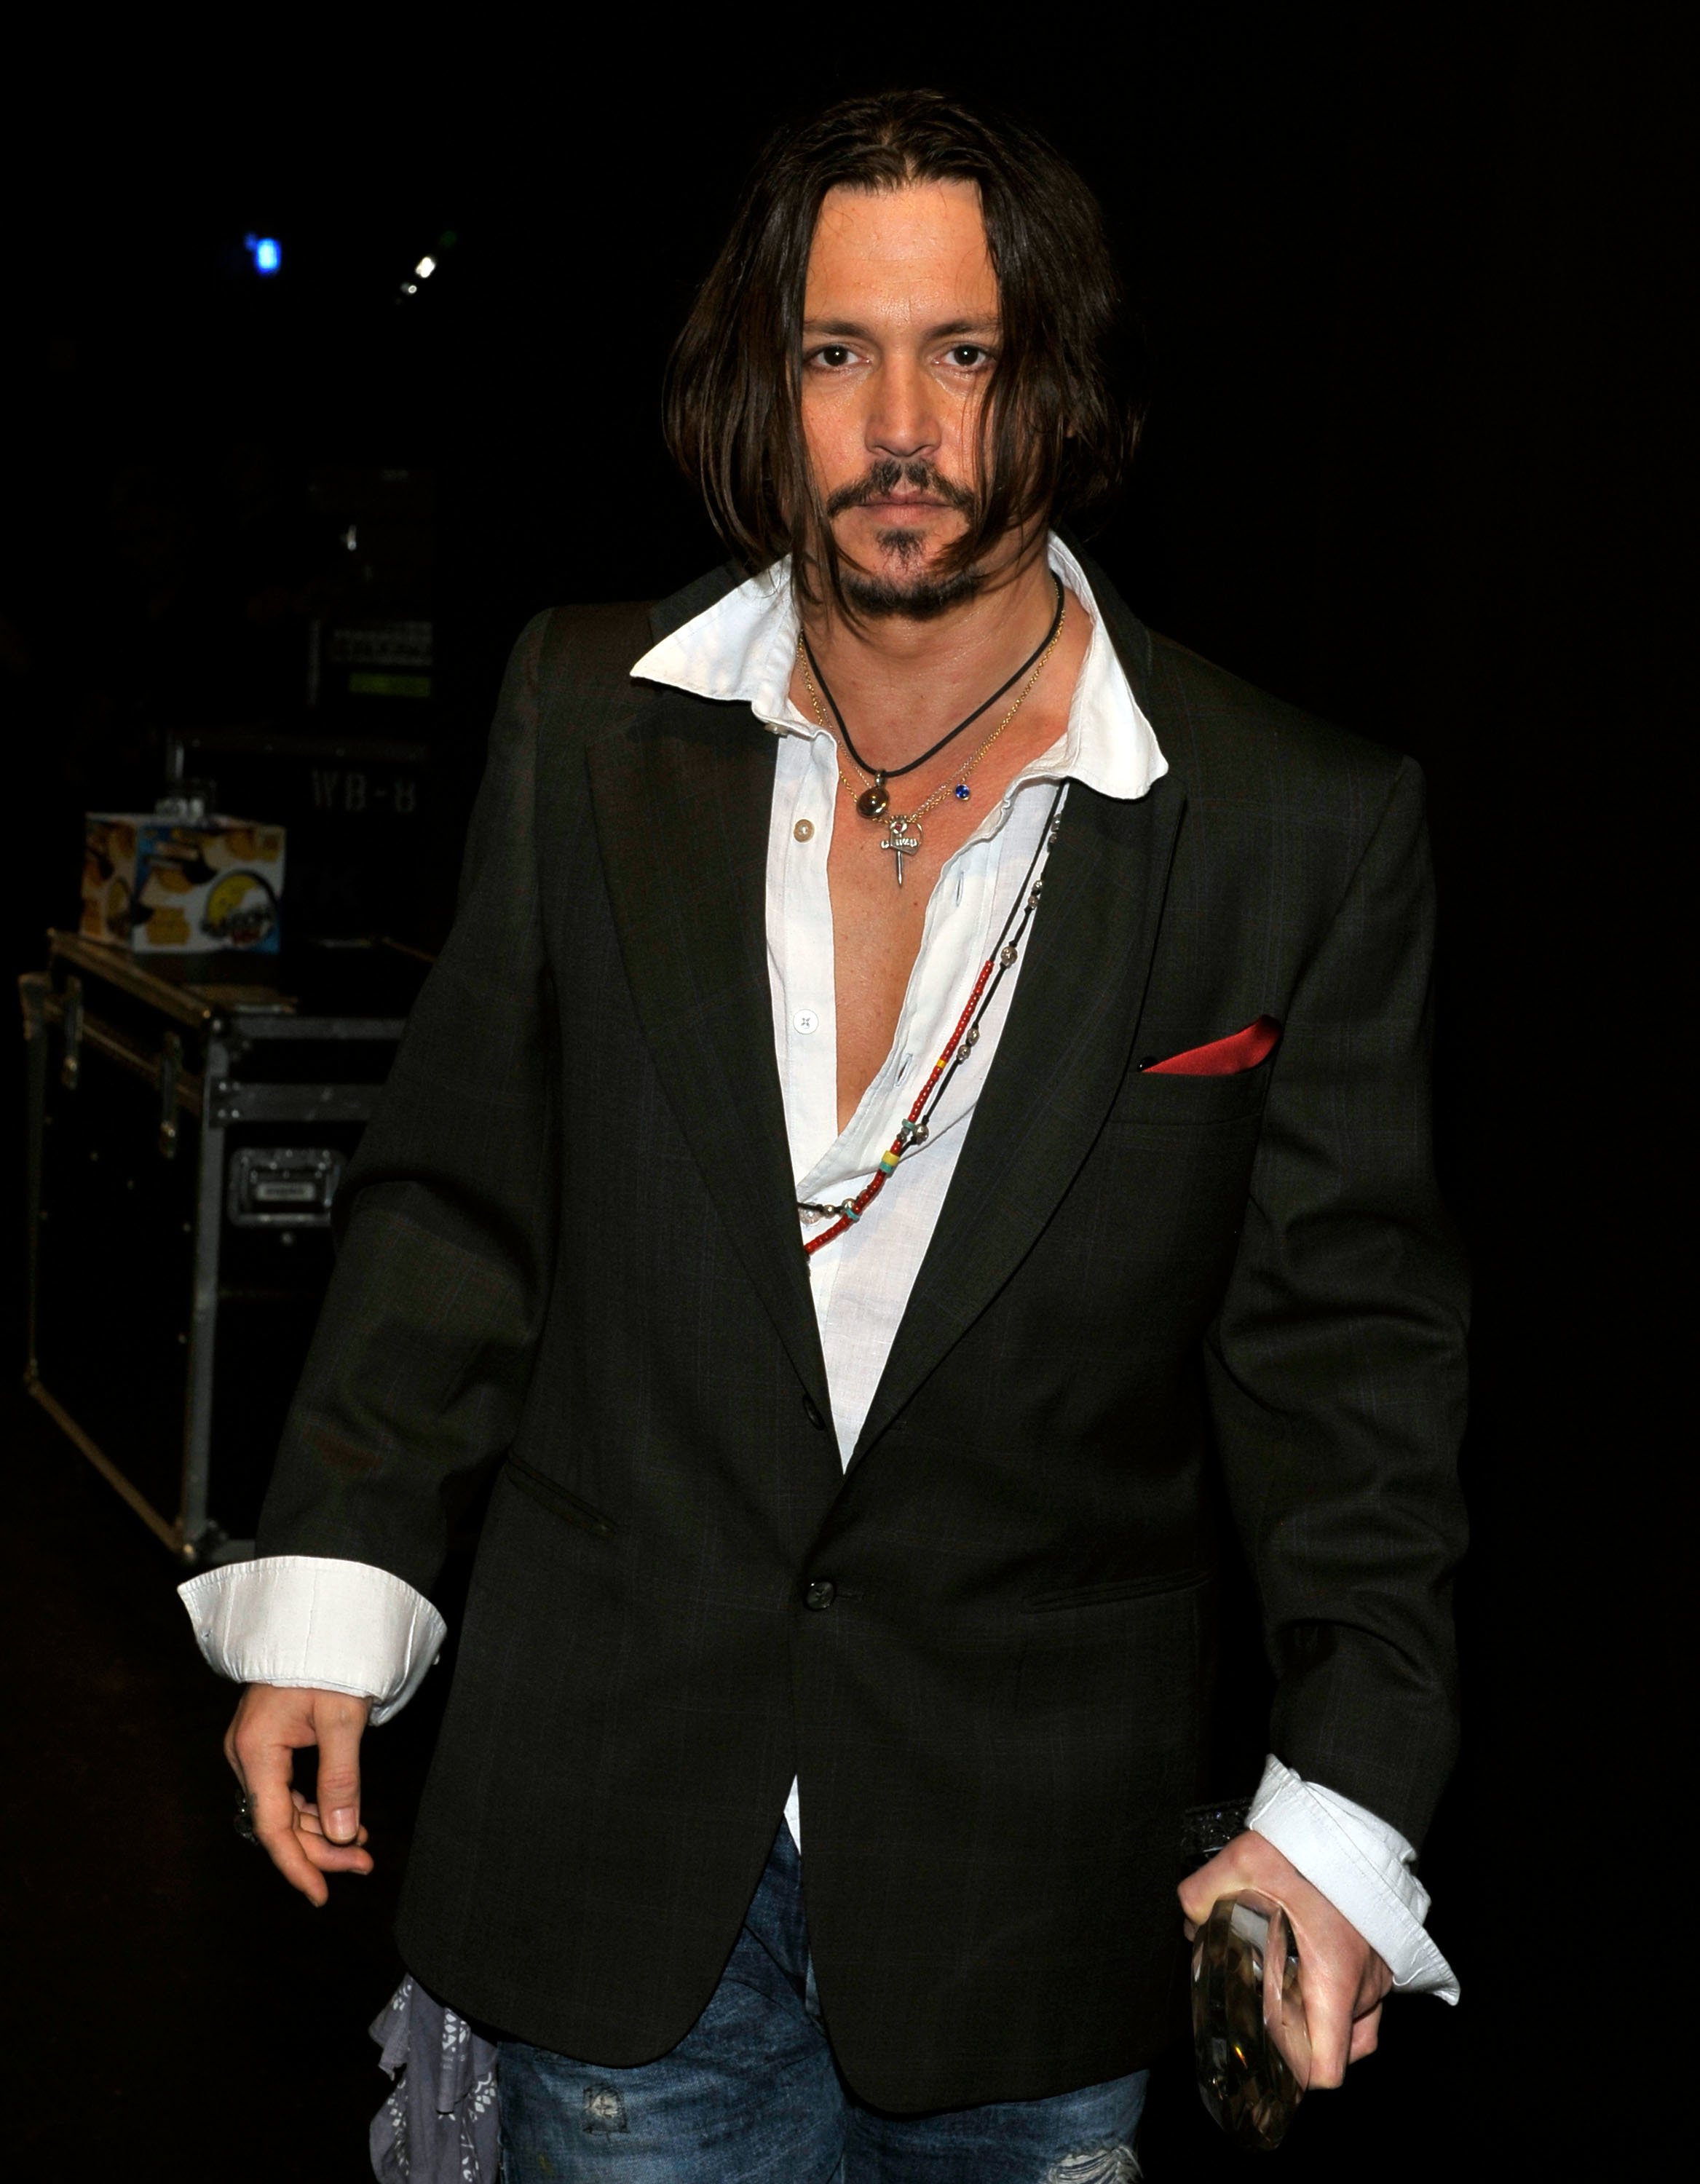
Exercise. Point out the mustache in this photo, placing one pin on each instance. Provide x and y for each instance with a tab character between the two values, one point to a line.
884	476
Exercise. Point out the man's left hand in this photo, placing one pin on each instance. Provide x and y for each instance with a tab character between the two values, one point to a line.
1345	1982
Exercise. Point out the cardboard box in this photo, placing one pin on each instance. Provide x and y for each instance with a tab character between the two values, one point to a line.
164	886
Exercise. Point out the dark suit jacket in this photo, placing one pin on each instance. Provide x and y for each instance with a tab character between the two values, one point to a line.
570	1250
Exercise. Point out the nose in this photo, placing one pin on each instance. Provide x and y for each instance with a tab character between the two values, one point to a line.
903	419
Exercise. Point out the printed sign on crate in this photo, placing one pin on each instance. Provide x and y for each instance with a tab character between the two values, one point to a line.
166	886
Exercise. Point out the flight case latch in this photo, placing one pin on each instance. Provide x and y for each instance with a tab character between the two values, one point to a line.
170	1069
71	1017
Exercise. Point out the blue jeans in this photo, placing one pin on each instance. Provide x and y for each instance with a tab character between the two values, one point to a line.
751	2096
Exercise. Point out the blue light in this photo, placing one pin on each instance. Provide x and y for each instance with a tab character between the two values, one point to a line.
267	254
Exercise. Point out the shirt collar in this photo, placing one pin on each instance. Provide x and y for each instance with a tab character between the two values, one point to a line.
742	649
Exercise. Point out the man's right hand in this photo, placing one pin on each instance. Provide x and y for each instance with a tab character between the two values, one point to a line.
304	1838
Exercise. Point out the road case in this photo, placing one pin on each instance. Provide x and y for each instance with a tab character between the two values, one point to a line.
188	1123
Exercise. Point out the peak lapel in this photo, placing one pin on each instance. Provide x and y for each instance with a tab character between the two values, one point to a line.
681	799
1061	1056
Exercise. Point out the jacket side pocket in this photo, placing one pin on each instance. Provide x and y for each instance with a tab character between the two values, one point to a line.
1115	1588
556	1498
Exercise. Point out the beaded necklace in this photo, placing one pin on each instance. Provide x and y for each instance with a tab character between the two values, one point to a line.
874	801
914	1129
903	832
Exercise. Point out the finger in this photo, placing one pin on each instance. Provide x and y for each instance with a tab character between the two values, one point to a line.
263	1763
307	1820
340	1721
1327	2018
1366	2035
1227	1872
1200	1892
333	1857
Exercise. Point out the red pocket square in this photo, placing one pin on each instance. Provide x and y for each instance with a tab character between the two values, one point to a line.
1222	1057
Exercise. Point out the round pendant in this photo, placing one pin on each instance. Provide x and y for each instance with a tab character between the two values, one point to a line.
962	792
875	801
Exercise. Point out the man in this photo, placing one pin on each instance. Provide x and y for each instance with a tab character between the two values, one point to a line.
924	1071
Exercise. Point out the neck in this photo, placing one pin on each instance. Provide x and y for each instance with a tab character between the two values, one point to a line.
902	683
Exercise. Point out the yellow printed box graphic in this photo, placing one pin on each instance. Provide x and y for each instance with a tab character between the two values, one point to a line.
167	886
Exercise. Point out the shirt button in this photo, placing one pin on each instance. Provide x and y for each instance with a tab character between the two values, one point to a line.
804	830
820	1593
805	1020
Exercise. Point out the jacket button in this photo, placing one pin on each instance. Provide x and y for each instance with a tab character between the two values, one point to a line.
820	1593
812	1412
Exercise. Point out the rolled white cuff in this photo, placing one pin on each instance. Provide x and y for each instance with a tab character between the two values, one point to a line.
1363	1866
312	1622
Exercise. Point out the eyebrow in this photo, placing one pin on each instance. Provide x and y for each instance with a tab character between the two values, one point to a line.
853	332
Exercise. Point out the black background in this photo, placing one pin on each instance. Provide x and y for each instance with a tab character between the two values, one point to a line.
1407	463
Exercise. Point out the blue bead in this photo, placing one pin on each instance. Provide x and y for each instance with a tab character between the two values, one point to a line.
962	792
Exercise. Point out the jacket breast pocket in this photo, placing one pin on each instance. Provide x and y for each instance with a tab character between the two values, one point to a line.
1189	1102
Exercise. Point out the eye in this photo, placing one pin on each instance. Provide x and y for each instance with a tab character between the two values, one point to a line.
831	356
968	356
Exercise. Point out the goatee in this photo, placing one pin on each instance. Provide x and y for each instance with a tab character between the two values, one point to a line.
920	597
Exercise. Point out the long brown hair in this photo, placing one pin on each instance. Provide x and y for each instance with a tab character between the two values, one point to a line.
1058	428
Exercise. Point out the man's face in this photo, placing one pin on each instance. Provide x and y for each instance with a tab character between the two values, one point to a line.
900	336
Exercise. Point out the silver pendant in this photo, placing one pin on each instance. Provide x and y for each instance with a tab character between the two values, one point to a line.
903	838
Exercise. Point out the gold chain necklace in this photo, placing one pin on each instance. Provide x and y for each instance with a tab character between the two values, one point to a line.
902	836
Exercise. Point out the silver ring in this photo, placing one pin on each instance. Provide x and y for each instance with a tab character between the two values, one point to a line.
243	1821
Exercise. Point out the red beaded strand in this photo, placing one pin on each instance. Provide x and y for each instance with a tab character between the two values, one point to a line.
911	1130
914	1130
893	1152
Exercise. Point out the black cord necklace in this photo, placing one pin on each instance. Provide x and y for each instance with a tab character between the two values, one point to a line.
873	802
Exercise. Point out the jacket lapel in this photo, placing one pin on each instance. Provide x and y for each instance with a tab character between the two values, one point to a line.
1061	1058
681	797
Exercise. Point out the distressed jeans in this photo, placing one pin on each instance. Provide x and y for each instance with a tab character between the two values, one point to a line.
751	2096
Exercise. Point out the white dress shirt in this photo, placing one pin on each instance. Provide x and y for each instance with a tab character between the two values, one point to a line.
343	1626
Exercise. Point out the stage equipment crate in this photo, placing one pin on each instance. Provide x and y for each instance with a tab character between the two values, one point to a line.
188	1124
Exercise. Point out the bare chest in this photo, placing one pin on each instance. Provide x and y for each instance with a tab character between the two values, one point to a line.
882	872
878	918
